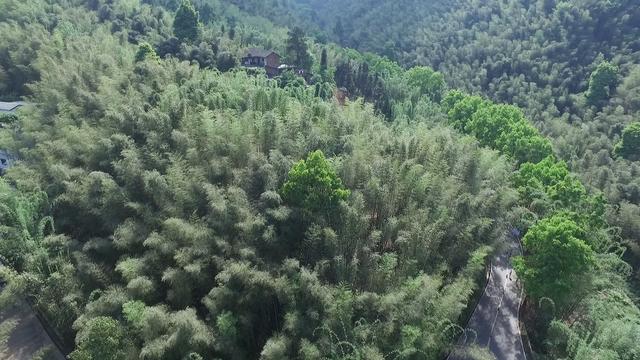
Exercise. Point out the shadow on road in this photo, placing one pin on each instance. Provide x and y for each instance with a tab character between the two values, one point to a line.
494	322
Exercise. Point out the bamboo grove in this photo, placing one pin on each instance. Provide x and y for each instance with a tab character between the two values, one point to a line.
166	203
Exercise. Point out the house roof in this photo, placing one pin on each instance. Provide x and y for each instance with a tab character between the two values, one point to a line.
251	52
10	106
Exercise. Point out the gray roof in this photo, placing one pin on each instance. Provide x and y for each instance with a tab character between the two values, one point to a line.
10	106
256	52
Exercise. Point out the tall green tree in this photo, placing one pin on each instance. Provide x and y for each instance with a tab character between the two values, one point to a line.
323	62
313	184
629	146
102	338
602	83
146	52
338	30
186	25
428	82
558	257
297	49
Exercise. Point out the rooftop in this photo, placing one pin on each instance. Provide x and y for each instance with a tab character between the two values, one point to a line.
256	52
10	106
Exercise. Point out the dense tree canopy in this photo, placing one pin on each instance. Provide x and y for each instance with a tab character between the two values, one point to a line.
428	82
177	191
146	52
168	204
313	185
629	146
602	83
547	57
297	52
557	256
102	338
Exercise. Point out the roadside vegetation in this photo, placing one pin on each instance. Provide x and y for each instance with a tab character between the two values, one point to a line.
168	203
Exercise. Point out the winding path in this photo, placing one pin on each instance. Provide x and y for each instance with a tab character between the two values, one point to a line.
494	322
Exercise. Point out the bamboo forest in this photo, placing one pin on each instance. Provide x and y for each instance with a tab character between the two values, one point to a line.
319	179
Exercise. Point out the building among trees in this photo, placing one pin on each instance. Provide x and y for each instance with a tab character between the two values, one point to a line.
267	59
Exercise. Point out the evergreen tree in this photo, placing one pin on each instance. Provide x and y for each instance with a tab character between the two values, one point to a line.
297	50
186	24
602	83
226	61
323	62
232	31
146	52
629	146
339	31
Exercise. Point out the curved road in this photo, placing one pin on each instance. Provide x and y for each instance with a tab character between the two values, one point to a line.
494	322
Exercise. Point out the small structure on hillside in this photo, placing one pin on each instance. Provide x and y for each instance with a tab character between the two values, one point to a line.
6	160
267	59
9	107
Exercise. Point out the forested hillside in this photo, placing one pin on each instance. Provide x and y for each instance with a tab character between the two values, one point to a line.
168	203
572	66
163	209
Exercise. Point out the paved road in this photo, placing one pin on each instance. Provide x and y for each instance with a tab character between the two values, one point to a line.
494	322
28	337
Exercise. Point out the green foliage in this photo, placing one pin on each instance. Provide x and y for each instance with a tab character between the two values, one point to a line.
523	142
146	52
549	179
502	127
297	50
557	258
102	338
460	108
23	224
323	62
313	185
177	335
226	325
473	353
428	82
8	119
133	312
358	80
6	328
290	79
19	46
164	175
186	25
602	83
614	334
538	55
629	146
172	178
226	61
